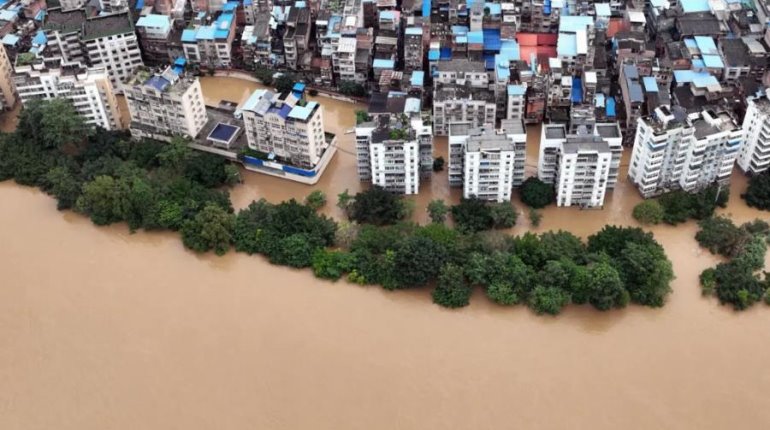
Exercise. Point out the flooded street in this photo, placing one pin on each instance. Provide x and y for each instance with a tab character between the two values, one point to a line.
102	329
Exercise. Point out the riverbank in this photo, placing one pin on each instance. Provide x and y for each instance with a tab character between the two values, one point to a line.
107	329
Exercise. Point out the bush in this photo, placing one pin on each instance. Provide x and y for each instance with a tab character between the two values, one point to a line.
548	300
377	206
362	116
331	264
451	292
536	193
437	211
438	164
708	281
472	215
316	199
211	229
648	212
737	285
503	215
757	194
535	217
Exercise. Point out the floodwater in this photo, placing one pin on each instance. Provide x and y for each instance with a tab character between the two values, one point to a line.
102	329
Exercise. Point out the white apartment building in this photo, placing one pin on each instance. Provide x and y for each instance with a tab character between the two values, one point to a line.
7	91
516	103
110	42
611	134
388	154
286	126
754	156
676	151
89	90
552	137
164	104
210	45
344	60
583	168
488	163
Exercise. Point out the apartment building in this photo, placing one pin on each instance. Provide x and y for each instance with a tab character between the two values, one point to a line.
461	95
673	150
285	126
164	104
754	156
211	45
413	49
63	29
7	90
344	60
583	165
159	41
296	38
388	154
516	101
486	162
552	137
111	43
88	89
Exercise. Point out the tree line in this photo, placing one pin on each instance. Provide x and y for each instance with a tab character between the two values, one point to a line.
166	186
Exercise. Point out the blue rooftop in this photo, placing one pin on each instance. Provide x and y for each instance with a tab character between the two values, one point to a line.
251	102
492	39
417	79
476	37
510	48
426	8
494	8
188	35
180	61
566	46
139	5
7	15
517	90
302	112
609	108
502	66
222	25
713	61
158	82
155	21
650	84
10	39
698	64
446	53
599	100
700	79
577	90
434	55
298	87
39	38
459	30
229	6
694	6
223	132
380	63
572	24
388	14
603	9
706	45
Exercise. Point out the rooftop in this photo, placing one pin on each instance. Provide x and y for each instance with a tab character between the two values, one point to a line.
109	25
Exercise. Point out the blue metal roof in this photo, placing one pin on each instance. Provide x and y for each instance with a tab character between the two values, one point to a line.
380	63
40	38
693	6
206	32
706	45
388	14
517	90
572	24
461	40
577	90
489	61
510	48
494	8
10	39
222	25
298	87
188	35
476	37
139	5
254	98
713	61
446	53
698	64
434	55
180	61
459	30
426	8
650	84
599	100
566	45
155	21
417	79
229	6
158	82
303	112
492	39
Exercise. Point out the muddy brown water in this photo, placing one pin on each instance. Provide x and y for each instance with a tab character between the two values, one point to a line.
102	329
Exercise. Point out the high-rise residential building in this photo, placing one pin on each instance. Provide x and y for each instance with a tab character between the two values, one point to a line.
754	156
583	165
611	134
461	95
89	90
159	40
110	42
211	45
164	104
388	151
7	91
552	137
344	60
486	162
516	102
286	126
673	150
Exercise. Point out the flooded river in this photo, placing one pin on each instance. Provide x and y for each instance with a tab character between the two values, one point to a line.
102	329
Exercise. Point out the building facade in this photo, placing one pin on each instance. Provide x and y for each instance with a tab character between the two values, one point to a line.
111	43
7	90
679	151
286	126
583	165
164	104
754	156
89	90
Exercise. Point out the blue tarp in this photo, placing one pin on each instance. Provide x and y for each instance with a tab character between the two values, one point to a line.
577	90
426	8
610	106
139	4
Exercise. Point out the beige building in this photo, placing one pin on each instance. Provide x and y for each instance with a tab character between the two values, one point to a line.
164	104
7	91
88	89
